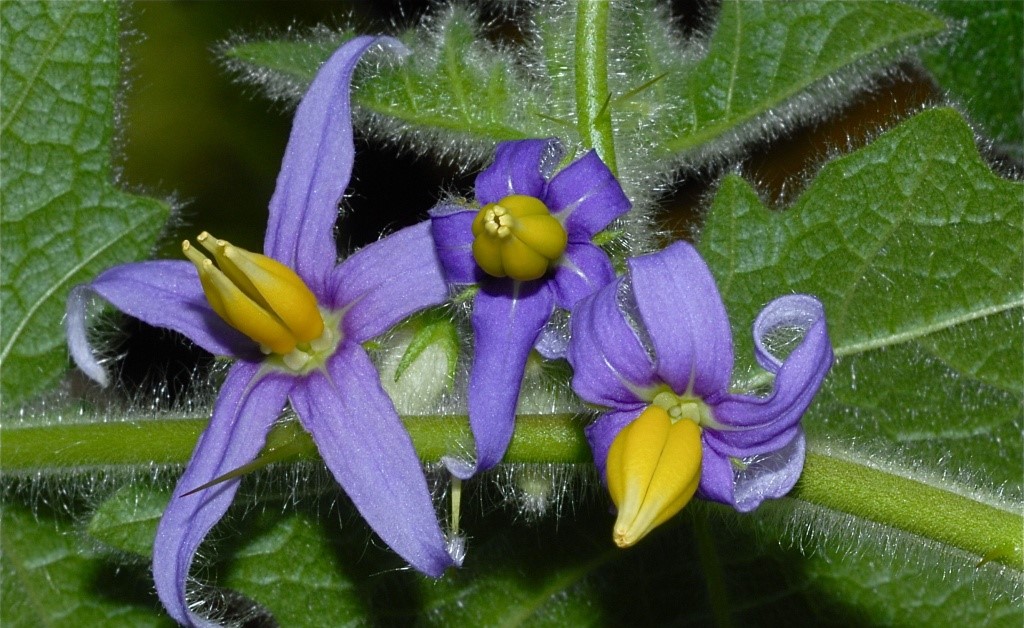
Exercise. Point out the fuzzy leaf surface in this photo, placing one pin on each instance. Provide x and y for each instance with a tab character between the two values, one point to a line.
64	219
454	81
915	248
49	578
982	65
764	57
314	561
127	520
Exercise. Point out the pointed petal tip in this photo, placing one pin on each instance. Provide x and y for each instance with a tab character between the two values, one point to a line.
460	467
77	337
456	548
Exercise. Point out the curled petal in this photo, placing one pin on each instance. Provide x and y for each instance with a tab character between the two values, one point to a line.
164	294
364	444
747	482
685	320
602	432
519	168
506	324
246	408
451	227
797	379
316	168
385	282
754	441
586	197
610	365
583	269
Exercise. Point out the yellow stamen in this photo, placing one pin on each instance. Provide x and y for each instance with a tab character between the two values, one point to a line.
517	237
257	295
653	469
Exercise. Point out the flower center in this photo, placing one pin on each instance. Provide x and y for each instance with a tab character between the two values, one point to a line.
263	299
517	237
686	406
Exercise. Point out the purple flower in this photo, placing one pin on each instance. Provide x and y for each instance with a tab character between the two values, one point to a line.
528	245
656	348
294	320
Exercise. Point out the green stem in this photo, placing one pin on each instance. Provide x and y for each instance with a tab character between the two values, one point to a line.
556	438
593	112
903	503
912	506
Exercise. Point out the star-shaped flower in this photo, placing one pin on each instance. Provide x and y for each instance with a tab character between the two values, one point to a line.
294	320
528	245
656	348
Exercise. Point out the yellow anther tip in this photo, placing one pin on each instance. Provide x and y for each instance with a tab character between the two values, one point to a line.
622	539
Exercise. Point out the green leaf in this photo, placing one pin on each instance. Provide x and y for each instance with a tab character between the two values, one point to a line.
64	219
454	81
981	65
313	563
916	249
300	566
127	519
792	59
50	578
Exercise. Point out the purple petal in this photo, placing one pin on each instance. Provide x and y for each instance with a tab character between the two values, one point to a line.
610	365
506	324
583	269
519	168
249	402
603	431
741	443
452	228
164	294
716	481
797	379
385	282
553	341
366	447
586	197
316	168
764	476
685	320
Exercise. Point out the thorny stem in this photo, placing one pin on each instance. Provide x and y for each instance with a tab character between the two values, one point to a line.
830	481
593	113
950	518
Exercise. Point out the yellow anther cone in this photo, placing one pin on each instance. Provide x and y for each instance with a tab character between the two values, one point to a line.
257	295
542	233
517	237
653	469
522	262
280	288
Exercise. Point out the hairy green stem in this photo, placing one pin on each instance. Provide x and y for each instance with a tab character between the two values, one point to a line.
912	506
841	485
593	101
74	446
